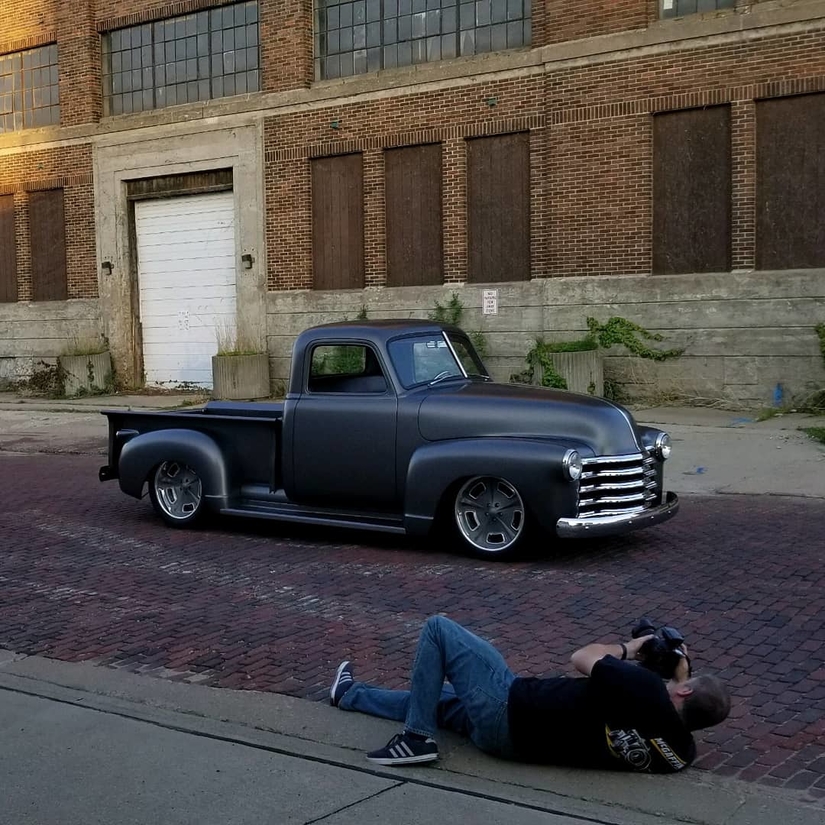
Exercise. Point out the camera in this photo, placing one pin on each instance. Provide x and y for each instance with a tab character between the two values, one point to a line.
662	653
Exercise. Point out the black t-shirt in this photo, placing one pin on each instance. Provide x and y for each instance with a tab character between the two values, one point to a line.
620	717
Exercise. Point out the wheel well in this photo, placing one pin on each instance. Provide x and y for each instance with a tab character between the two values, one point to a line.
443	512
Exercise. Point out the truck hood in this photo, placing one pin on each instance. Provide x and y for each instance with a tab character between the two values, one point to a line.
479	409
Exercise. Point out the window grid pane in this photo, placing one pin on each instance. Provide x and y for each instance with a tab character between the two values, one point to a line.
29	93
680	8
185	59
357	36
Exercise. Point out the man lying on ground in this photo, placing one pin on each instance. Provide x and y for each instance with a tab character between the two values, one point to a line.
619	716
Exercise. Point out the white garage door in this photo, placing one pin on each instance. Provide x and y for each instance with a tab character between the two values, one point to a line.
186	276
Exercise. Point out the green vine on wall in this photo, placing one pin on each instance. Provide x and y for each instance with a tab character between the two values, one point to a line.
615	331
621	331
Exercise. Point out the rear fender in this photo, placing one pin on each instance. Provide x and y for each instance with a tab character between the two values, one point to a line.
144	452
534	467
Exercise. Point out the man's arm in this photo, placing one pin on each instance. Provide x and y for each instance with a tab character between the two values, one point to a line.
584	659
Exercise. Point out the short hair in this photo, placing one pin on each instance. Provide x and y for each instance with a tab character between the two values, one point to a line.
708	705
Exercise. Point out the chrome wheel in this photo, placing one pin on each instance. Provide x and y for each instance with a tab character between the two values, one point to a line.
489	513
178	491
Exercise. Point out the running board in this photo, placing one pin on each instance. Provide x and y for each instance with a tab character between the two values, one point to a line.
376	523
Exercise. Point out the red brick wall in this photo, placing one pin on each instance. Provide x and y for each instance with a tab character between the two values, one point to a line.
591	166
589	125
78	44
598	203
286	44
445	116
69	168
563	20
599	208
24	19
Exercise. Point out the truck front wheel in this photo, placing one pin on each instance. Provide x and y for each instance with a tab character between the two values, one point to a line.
490	515
176	492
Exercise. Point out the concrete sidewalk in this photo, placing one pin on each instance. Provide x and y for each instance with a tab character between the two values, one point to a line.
719	452
715	451
84	744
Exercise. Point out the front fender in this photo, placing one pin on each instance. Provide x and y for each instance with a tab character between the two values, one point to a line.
533	466
144	452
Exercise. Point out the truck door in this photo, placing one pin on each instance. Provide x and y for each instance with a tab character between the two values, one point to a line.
343	445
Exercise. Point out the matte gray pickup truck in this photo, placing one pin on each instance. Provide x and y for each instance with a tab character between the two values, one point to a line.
396	426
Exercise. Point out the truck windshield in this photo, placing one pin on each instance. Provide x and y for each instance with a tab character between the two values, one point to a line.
423	359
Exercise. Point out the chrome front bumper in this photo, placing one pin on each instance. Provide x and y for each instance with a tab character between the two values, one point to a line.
616	525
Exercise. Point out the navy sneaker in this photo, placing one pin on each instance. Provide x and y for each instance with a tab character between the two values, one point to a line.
404	749
341	683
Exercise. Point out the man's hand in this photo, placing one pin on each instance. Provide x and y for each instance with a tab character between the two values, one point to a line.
682	672
584	659
635	645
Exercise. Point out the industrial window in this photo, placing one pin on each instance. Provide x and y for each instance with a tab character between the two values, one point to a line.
48	245
338	222
199	56
498	208
679	8
415	246
692	191
29	94
790	182
358	36
8	251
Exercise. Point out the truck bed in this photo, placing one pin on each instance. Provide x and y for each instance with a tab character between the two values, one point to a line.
248	435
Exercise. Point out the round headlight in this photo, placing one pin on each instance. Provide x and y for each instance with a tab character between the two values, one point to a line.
663	447
572	463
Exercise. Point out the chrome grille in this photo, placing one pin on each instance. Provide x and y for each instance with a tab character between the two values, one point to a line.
617	485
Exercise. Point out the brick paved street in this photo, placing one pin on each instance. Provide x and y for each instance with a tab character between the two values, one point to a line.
88	574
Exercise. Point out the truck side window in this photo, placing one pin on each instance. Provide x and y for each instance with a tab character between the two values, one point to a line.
345	368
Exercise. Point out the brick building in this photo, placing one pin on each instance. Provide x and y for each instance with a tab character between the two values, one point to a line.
170	167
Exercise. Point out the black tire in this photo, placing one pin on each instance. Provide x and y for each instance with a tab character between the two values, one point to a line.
490	517
176	492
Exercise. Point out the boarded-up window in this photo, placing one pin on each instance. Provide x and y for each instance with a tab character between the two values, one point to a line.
414	227
48	245
692	191
498	208
790	188
338	222
8	250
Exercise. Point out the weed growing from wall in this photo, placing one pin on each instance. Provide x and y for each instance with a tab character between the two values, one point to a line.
453	313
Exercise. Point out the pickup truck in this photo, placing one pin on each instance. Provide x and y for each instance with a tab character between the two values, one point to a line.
397	426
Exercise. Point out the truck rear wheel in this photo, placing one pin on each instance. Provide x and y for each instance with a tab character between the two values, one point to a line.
176	492
490	516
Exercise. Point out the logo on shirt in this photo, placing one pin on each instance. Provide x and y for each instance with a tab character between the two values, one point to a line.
629	746
668	755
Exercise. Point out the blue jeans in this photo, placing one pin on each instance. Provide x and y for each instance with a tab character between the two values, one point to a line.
473	704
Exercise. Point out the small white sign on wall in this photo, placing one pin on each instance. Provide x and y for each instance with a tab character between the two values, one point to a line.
489	302
668	5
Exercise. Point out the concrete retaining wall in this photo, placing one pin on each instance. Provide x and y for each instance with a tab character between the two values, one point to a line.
34	334
743	333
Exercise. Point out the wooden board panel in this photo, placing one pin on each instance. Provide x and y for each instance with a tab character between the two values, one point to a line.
48	245
415	239
338	222
790	183
8	251
692	191
498	208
